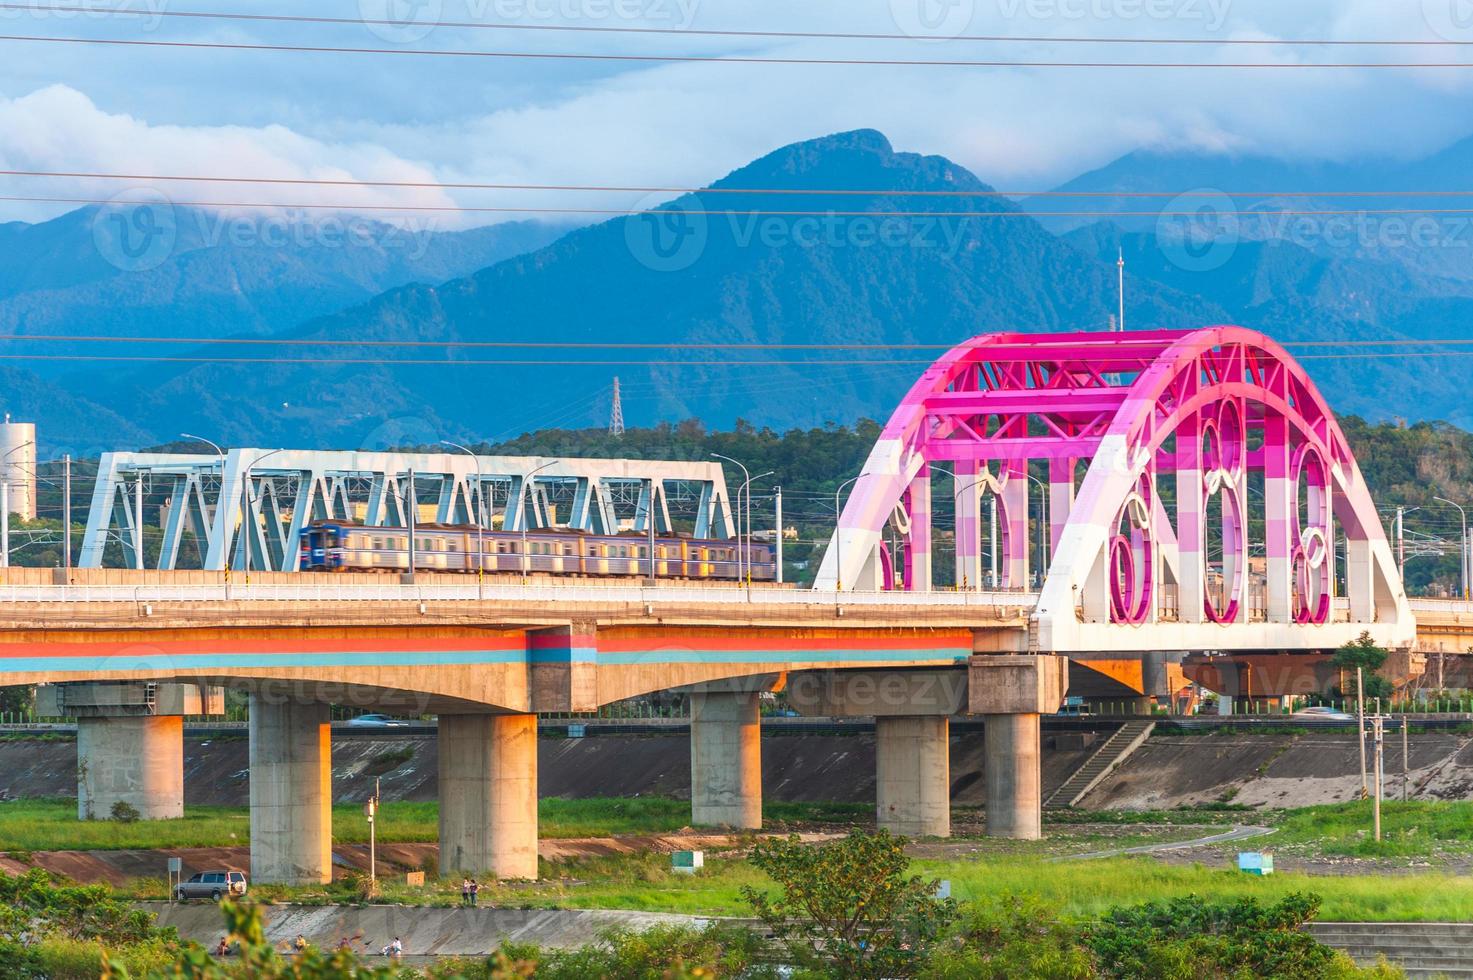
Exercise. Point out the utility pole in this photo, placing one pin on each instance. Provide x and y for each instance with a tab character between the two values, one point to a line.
649	520
992	538
1401	554
370	810
1406	768
1360	727
1376	728
410	506
778	509
66	512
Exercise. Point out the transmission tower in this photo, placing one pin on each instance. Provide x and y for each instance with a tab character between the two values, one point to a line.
616	412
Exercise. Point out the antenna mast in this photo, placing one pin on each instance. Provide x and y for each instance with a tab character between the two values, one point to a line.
1120	273
616	412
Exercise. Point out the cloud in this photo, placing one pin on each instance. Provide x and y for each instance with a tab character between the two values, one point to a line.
464	119
59	128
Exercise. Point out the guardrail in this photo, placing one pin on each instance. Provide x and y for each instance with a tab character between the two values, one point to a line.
394	592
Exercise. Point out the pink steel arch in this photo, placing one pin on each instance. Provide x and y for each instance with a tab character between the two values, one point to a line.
1217	489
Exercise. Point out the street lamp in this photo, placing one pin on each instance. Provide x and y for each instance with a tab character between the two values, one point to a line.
838	538
747	481
221	453
249	500
5	505
1462	547
480	517
747	489
522	510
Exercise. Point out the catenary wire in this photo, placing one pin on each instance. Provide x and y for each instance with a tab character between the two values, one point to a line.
735	33
722	59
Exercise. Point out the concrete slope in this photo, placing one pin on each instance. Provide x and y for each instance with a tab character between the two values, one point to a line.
423	931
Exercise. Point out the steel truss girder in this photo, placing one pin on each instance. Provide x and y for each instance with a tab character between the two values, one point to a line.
274	494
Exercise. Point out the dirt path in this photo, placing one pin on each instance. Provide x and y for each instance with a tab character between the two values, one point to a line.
1237	833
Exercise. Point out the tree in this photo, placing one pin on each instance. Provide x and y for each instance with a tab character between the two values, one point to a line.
1363	652
847	907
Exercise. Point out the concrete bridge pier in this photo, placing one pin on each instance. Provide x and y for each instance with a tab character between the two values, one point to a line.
1010	693
291	792
913	775
726	759
130	742
488	794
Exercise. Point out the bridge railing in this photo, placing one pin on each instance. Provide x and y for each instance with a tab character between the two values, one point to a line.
532	592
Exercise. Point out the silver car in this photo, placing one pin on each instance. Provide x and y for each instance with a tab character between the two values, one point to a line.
213	885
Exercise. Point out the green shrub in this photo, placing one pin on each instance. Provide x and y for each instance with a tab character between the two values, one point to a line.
125	812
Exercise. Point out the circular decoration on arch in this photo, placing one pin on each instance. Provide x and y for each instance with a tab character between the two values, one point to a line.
1132	557
1313	532
1224	457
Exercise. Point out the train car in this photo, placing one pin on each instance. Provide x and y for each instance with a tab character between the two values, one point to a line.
342	546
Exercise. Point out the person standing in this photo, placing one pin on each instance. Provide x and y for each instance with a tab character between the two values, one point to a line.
465	891
475	891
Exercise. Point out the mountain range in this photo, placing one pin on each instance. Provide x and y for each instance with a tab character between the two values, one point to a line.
645	297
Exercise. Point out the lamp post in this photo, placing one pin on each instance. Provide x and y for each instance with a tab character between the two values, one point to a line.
480	518
1043	556
218	452
5	505
1462	547
522	510
747	489
746	482
249	500
838	537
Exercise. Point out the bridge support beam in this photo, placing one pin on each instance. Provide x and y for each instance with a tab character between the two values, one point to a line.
725	759
1012	764
1010	693
488	795
130	741
291	792
913	775
133	761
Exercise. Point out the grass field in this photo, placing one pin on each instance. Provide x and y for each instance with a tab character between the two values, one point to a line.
645	882
976	869
52	825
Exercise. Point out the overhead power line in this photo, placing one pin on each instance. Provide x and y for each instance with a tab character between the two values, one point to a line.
603	362
612	345
742	212
717	33
789	191
717	59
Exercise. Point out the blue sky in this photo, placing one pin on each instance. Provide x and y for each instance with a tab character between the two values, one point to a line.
74	107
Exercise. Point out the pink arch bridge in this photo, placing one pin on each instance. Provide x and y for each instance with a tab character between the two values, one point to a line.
1199	494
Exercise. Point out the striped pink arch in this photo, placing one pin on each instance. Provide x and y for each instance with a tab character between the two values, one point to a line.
1216	487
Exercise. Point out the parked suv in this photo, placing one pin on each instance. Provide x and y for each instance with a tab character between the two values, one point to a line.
213	885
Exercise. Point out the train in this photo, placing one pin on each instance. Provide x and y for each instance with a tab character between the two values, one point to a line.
343	546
